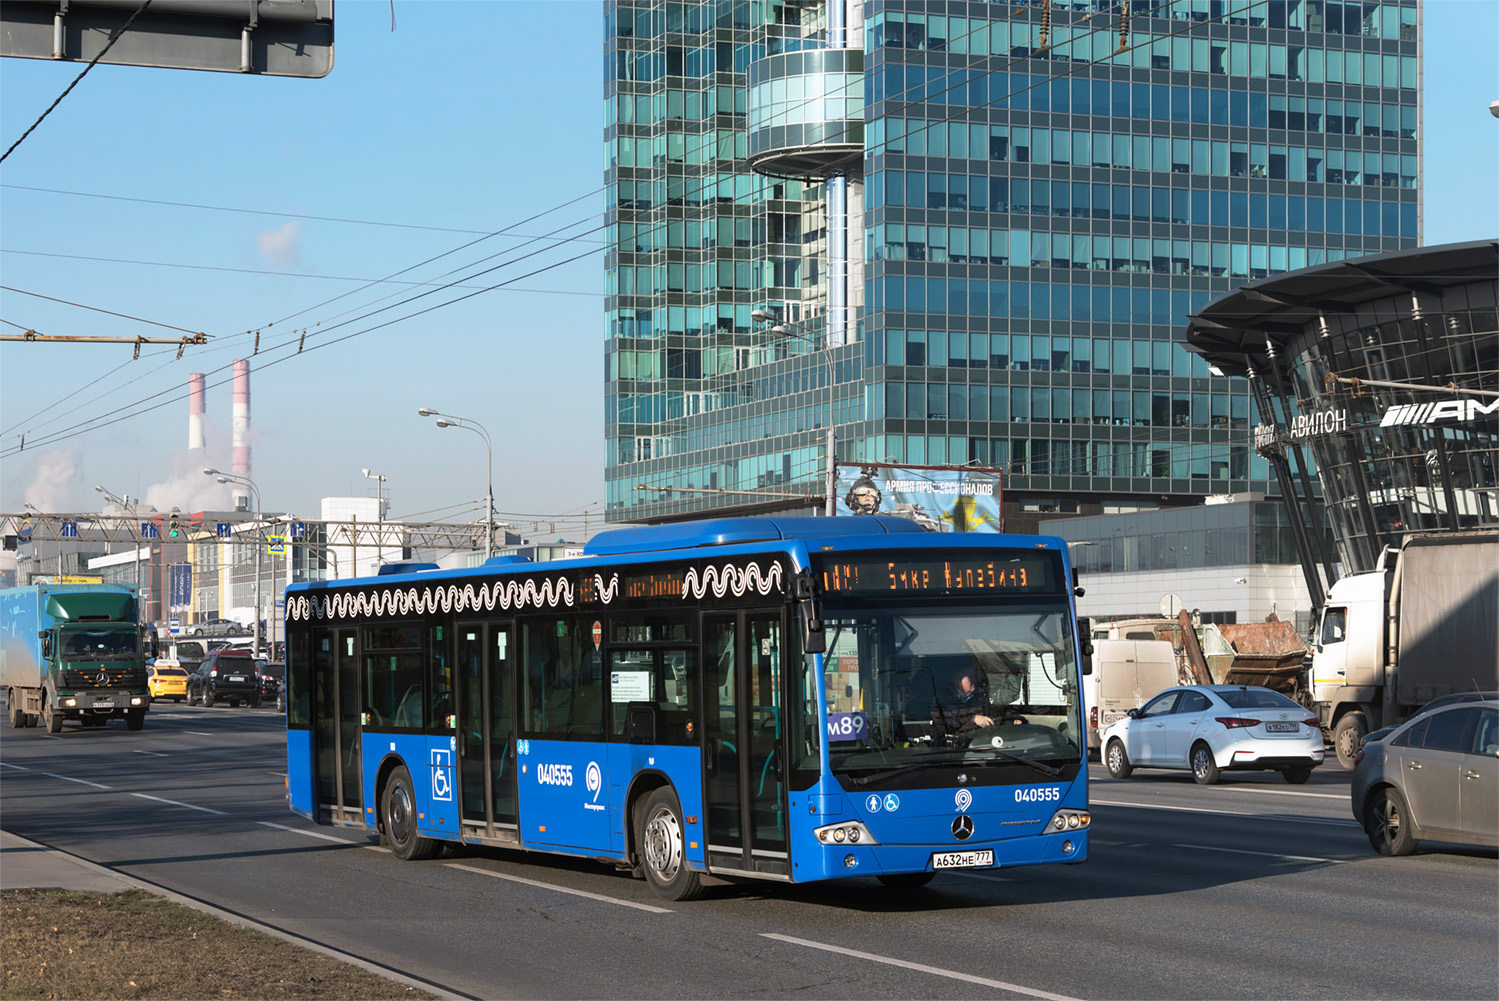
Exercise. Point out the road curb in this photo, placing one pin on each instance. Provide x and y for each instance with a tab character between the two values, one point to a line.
103	876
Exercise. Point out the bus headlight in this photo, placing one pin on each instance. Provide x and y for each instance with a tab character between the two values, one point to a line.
850	832
1068	820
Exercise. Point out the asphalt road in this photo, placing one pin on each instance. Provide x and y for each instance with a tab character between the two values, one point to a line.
1249	889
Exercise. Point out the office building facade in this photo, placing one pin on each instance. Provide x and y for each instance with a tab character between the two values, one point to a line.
978	230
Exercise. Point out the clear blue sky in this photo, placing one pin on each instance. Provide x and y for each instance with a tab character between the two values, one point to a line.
469	116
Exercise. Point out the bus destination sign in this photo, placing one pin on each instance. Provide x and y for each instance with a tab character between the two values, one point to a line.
1013	572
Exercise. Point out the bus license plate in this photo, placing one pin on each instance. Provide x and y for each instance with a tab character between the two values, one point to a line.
962	860
1280	728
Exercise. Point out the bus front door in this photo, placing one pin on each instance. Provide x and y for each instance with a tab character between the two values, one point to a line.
486	730
335	711
744	792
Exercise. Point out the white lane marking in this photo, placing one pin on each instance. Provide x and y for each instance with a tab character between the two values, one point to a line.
1268	791
1326	821
985	876
563	889
936	971
310	834
1240	851
95	785
154	754
186	806
199	733
19	768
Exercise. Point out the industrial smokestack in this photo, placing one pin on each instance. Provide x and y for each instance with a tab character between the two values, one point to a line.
241	431
195	410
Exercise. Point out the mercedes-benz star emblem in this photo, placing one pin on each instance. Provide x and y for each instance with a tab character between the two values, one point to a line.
962	827
103	678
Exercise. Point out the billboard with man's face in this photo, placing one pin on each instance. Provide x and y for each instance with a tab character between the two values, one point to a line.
942	500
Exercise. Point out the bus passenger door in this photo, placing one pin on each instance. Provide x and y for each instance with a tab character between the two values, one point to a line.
486	729
335	719
744	789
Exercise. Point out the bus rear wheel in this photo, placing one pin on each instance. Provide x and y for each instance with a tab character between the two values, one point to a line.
662	841
398	811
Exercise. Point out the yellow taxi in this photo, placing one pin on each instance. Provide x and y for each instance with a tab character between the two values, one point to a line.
165	681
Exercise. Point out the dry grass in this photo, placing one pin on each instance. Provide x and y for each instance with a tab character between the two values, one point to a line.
65	944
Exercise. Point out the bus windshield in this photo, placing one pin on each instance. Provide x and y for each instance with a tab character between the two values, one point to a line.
917	691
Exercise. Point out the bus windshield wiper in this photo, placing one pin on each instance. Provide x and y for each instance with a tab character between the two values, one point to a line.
1039	766
900	770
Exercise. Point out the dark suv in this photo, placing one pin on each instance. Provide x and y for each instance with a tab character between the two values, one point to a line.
225	676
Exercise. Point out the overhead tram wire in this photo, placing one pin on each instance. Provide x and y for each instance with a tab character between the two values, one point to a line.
96	309
260	271
83	427
710	182
257	212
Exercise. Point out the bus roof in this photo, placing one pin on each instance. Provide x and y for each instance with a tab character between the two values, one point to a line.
737	531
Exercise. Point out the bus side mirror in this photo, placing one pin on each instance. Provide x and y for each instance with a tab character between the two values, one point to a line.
1085	643
814	637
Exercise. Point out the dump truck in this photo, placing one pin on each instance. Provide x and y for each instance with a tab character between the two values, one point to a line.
73	652
1423	623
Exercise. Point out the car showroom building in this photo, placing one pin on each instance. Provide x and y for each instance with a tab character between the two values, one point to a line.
1377	382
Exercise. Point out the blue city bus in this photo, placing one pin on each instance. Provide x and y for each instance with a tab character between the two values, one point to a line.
786	699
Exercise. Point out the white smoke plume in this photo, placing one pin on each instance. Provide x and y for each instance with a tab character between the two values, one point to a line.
282	248
188	489
53	488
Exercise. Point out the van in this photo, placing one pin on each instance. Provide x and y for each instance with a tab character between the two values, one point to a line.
1126	674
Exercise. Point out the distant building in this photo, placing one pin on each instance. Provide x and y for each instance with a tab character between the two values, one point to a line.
990	220
1377	379
1229	562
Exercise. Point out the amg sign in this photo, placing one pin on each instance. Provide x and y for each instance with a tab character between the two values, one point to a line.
1430	413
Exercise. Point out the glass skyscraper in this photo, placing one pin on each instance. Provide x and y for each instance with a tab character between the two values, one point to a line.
987	223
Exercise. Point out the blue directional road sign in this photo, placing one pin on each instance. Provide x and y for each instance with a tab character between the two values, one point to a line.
69	529
299	530
221	530
149	530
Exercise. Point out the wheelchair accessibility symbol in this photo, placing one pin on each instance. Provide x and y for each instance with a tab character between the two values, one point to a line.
442	775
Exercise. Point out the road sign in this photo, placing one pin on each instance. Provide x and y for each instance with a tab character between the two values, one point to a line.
221	530
299	530
174	626
69	529
149	531
275	545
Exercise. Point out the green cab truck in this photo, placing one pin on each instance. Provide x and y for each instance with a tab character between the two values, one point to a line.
73	651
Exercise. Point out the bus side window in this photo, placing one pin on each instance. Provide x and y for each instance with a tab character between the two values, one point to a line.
439	682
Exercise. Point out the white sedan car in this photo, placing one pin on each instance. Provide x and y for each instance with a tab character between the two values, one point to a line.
1210	729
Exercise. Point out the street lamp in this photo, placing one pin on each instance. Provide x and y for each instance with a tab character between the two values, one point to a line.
449	421
379	479
124	501
223	477
783	330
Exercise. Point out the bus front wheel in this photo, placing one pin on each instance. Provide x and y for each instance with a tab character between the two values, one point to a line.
662	841
398	811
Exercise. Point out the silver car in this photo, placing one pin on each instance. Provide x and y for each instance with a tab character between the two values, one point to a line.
1435	777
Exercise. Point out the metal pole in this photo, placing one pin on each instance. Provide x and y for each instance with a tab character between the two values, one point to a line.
829	508
489	503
